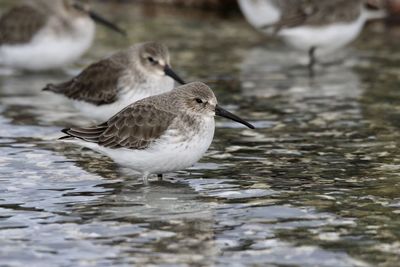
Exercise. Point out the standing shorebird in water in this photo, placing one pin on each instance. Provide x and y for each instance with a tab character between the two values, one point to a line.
158	134
109	85
314	26
47	34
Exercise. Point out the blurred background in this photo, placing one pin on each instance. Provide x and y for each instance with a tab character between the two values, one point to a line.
224	5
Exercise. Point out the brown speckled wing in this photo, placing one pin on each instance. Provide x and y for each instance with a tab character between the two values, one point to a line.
97	84
20	24
317	12
135	127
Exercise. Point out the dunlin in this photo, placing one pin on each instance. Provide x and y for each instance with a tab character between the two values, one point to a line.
111	84
315	26
158	134
47	34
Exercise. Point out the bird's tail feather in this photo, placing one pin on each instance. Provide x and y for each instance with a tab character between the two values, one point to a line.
87	134
50	87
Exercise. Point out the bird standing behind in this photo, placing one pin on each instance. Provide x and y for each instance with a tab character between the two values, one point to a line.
109	85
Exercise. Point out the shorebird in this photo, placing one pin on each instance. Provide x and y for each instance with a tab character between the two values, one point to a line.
314	26
109	85
47	34
158	134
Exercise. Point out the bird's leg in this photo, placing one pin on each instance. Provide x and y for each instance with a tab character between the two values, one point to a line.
145	178
311	63
160	177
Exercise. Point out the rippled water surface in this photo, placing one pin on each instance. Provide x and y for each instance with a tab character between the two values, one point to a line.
317	184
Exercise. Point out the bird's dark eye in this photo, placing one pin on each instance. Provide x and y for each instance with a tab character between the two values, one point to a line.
152	60
198	100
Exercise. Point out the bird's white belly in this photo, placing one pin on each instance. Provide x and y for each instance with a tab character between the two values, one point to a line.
48	50
325	38
127	96
168	154
99	113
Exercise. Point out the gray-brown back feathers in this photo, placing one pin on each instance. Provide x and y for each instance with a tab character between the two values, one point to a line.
97	84
20	24
316	12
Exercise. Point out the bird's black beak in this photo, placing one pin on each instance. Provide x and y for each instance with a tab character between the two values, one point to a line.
100	19
226	114
169	72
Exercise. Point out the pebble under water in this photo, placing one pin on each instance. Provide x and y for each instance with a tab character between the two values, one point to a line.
316	184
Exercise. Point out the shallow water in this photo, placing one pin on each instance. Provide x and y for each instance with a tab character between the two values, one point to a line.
317	184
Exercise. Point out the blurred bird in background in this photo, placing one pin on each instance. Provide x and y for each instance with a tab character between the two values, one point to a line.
314	26
46	34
